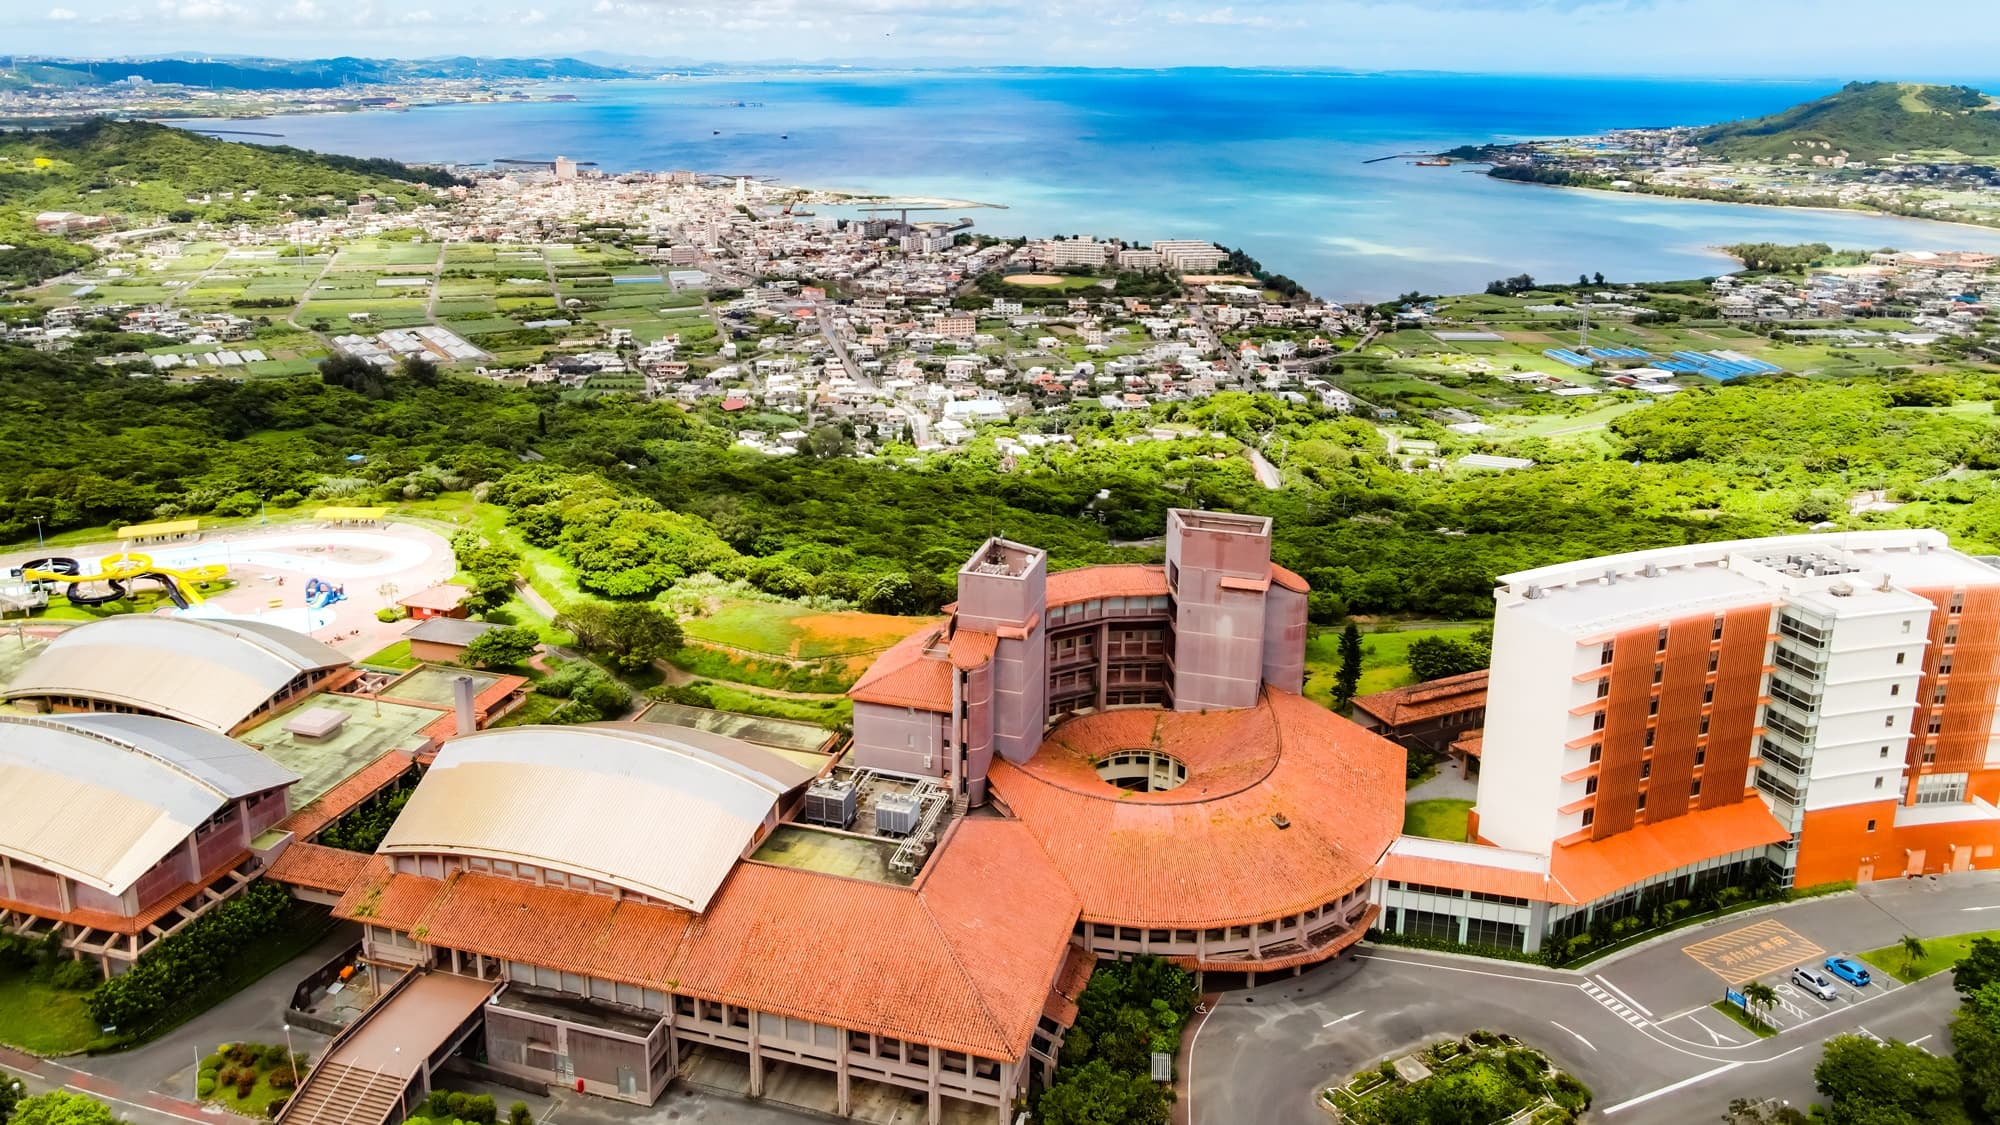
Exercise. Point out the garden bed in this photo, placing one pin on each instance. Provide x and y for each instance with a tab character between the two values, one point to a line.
1484	1078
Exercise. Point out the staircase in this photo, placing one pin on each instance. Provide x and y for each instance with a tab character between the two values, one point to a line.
336	1094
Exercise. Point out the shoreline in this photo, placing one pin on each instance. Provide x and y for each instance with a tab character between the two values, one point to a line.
1867	212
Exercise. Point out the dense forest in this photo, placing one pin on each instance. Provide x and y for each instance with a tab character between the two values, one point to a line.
638	495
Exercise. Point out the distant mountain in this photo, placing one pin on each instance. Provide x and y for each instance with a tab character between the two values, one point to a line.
1867	121
291	74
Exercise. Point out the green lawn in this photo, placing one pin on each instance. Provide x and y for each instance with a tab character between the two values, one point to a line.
535	708
1385	656
1445	818
1939	954
44	1020
395	656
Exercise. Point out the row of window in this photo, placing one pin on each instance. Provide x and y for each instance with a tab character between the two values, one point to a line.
1455	892
1099	607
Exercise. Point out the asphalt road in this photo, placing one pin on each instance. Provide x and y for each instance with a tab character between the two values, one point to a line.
1637	1029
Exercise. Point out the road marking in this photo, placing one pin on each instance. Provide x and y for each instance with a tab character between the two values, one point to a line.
1683	1084
1457	969
1193	1038
1625	996
135	1105
1915	1042
1976	909
1611	1004
1714	1034
1579	1038
1342	1019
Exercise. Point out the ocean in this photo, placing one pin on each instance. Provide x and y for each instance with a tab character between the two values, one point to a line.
1274	163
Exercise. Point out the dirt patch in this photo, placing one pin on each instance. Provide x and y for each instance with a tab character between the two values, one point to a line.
870	629
1033	279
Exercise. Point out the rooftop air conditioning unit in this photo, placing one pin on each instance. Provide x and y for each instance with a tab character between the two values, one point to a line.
896	814
831	801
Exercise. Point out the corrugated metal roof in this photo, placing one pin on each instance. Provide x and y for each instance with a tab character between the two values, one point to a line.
210	672
666	813
102	798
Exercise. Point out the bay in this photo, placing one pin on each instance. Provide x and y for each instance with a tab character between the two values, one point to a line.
1273	162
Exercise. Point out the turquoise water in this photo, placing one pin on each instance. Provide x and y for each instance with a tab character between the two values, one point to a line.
1271	162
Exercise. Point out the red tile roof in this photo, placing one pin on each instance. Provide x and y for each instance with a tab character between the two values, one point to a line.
1595	868
1118	580
1210	852
444	596
337	801
908	675
318	867
971	647
967	957
1421	702
1289	580
1471	876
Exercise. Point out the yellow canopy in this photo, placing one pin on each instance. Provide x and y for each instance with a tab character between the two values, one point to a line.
351	513
153	530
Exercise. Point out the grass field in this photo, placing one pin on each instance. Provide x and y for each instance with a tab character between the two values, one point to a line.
1939	954
1445	818
798	632
395	656
45	1020
1385	657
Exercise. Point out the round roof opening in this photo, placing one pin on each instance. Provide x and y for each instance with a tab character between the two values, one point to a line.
1142	771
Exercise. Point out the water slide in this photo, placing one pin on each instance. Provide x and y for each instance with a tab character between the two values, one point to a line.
116	572
320	594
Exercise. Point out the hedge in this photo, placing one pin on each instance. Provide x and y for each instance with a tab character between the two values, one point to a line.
185	963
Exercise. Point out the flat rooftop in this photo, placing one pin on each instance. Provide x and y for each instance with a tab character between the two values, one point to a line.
803	742
831	853
1595	606
430	684
574	1010
372	730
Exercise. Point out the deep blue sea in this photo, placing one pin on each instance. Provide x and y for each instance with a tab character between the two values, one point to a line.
1271	162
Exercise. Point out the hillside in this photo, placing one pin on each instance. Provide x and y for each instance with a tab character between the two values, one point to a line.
1867	121
147	172
295	74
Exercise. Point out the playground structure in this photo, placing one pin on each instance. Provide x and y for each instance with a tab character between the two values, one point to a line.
320	593
116	573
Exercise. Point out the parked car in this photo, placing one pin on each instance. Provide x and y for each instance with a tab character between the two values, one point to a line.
1814	982
1849	970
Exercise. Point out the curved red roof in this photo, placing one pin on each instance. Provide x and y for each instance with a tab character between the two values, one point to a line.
1112	580
1211	851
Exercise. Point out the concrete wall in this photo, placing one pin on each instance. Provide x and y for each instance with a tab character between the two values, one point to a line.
901	739
1285	639
1218	630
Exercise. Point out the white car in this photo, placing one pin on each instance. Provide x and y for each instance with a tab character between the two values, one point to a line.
1815	982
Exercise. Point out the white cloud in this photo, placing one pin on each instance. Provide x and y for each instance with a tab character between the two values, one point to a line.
420	15
61	14
533	16
306	11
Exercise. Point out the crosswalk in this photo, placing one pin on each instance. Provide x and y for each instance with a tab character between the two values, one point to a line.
1613	1004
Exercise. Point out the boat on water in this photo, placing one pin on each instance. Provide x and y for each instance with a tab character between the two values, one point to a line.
1433	163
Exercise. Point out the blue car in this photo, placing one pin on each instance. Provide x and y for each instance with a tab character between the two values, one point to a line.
1847	969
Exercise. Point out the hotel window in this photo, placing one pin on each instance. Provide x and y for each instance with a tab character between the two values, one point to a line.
1659	672
1714	660
1871	824
1589	786
1653	706
1589	817
1597	721
1694	788
1596	751
1941	789
1649	740
1937	722
1704	725
1604	654
1895	689
1900	656
1878	783
1944	665
1642	801
1603	688
1906	628
1662	646
1708	693
1930	753
1951	632
1888	720
1700	756
1957	603
1937	694
1645	770
1716	633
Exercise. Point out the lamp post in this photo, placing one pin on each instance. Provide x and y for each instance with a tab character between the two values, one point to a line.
291	1055
39	544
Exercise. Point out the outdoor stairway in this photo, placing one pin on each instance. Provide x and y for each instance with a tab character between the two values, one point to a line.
335	1094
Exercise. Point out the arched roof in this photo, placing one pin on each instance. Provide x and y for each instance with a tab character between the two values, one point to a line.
102	798
211	672
1286	807
664	814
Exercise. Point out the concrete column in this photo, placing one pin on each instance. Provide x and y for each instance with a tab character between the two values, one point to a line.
1103	661
756	1056
934	1063
842	1084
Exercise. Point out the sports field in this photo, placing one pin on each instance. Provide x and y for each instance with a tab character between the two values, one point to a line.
798	632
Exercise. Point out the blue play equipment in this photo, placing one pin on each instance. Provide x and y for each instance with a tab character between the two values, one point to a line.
320	594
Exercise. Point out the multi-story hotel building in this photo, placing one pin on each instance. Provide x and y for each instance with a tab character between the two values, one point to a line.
1823	703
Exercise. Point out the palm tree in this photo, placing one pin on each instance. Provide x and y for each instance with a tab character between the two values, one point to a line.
1760	995
1913	952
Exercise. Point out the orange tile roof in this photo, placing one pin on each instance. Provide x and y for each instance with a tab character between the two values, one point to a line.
337	801
1419	702
1116	580
1250	585
443	596
1468	876
972	647
318	867
494	694
1470	743
907	675
1289	580
1209	852
969	954
1595	868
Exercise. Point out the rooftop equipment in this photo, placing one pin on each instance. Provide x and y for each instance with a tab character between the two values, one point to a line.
831	801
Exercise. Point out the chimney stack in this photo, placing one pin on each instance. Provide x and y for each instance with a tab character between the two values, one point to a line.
461	695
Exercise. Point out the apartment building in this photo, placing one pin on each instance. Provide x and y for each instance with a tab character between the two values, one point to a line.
1820	703
1072	252
1188	255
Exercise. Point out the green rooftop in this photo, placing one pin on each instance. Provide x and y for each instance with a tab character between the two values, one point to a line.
778	734
372	729
831	853
433	684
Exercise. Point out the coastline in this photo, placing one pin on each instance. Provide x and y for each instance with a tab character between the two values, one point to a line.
1777	204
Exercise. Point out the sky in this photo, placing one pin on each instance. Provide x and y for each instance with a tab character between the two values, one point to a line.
1913	39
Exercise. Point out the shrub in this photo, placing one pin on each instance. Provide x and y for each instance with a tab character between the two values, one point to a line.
390	613
520	1114
205	1085
245	1082
75	976
273	1056
185	963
